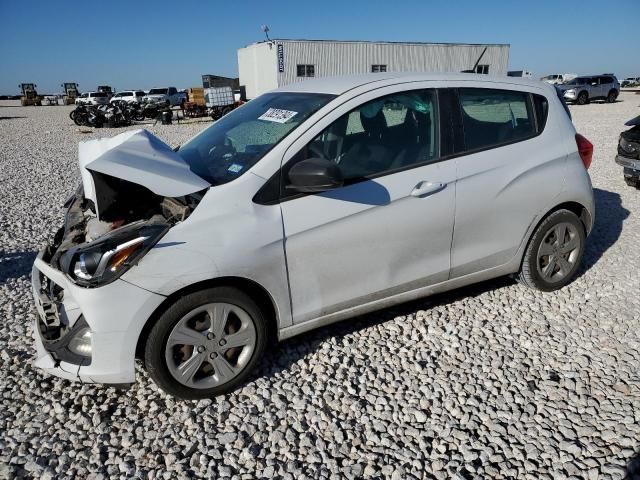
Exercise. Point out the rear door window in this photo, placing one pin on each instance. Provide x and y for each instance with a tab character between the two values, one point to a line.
494	117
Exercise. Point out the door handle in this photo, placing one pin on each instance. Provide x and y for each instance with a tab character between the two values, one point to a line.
425	188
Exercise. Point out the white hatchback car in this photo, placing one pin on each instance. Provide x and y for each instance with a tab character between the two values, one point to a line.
310	204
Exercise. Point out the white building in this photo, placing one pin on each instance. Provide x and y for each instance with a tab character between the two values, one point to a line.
266	65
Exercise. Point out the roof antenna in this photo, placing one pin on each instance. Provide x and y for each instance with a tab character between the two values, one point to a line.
265	29
473	70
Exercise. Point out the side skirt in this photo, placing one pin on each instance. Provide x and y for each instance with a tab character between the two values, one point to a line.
447	285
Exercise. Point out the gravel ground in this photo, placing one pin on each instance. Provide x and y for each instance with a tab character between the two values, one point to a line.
491	381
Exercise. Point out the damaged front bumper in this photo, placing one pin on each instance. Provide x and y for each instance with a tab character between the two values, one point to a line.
114	314
632	164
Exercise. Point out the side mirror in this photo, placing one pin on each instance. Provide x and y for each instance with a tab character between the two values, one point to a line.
314	175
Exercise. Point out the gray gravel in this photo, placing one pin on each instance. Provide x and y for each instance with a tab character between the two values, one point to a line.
491	381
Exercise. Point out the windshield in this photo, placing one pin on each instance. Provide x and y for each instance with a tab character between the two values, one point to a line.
577	81
158	91
237	141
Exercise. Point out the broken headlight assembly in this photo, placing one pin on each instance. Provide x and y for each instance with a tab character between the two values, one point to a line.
627	148
102	261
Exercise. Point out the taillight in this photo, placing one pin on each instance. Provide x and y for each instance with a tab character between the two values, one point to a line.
585	149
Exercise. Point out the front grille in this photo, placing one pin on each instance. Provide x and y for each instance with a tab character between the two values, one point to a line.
51	295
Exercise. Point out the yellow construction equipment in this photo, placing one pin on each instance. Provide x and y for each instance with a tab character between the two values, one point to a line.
29	95
70	92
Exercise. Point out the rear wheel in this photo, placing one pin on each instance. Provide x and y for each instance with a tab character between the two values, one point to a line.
206	344
554	253
583	98
611	97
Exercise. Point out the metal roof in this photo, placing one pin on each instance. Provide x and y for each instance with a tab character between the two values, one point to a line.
340	84
383	42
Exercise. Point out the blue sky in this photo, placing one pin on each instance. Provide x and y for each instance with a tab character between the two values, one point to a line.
142	44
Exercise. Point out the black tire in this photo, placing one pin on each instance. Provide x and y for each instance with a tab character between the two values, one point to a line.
80	120
530	273
611	96
583	98
154	351
72	114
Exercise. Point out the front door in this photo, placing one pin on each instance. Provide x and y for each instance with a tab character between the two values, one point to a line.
389	229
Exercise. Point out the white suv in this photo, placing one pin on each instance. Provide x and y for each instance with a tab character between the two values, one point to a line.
311	204
92	98
131	96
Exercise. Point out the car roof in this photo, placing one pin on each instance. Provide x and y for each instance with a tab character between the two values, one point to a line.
341	84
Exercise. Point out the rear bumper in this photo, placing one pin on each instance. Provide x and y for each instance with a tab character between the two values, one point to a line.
114	313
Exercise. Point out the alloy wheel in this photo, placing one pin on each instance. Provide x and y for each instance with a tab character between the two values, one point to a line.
558	252
210	345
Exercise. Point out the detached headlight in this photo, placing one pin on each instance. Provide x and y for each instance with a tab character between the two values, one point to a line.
104	260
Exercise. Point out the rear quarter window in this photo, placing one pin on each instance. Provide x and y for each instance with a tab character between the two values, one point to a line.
541	106
494	117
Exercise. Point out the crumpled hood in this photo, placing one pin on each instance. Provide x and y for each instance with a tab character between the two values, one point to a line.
634	122
139	157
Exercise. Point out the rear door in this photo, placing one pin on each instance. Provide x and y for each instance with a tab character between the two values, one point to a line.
388	230
606	84
512	163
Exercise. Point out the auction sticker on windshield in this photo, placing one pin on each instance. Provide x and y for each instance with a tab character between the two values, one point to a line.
277	115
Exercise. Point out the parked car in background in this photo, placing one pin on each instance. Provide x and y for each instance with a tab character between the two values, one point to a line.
630	82
171	95
519	73
582	90
106	89
558	78
313	203
629	153
92	98
131	96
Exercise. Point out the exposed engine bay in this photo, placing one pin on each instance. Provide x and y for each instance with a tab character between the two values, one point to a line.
134	188
124	203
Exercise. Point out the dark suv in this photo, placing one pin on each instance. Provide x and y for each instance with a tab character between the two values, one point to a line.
629	152
582	90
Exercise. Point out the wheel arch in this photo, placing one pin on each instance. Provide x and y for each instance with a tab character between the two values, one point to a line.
581	212
256	291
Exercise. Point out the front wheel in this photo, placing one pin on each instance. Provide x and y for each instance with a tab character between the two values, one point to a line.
554	253
206	343
583	98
